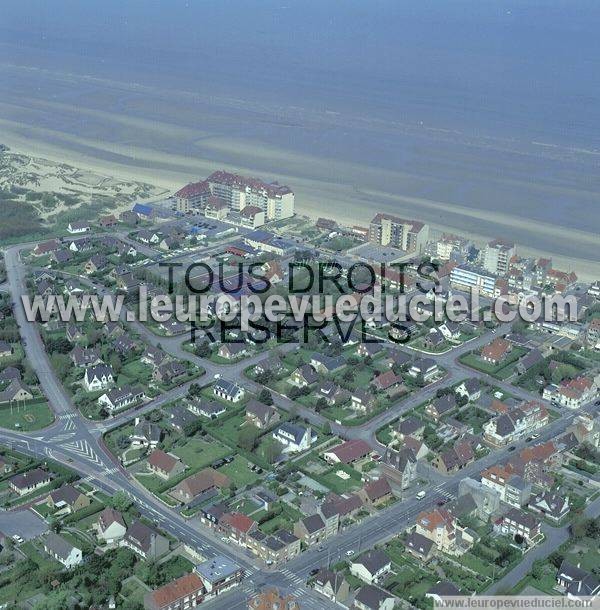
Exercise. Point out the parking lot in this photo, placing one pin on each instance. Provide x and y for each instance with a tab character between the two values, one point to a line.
22	523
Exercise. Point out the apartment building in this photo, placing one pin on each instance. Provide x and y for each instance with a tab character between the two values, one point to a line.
444	531
496	256
275	200
469	277
407	235
515	423
510	487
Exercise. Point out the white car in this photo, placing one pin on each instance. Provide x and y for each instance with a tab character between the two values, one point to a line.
420	495
350	553
17	539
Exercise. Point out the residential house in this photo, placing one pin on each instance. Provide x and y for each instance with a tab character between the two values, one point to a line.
98	377
550	505
332	585
29	482
153	356
165	465
303	376
327	364
293	437
576	582
63	551
16	391
376	492
373	598
219	574
572	393
387	382
470	389
400	466
275	548
238	526
520	525
496	351
145	541
362	401
271	599
67	498
517	423
348	452
372	567
84	357
79	227
261	415
111	526
184	592
96	264
440	406
424	367
169	372
311	530
145	434
511	487
454	458
410	426
121	398
198	484
233	351
529	360
228	390
441	527
419	546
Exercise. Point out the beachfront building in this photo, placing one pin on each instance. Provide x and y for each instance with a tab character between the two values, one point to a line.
407	235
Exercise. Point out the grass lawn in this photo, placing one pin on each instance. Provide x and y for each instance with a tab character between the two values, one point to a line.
31	416
502	370
134	372
198	453
338	484
239	472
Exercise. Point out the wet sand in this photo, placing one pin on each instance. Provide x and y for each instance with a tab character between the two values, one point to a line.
543	197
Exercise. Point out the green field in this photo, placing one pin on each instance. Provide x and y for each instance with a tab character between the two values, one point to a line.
31	416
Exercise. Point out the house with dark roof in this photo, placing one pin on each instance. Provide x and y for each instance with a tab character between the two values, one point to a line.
145	541
520	525
67	498
311	530
293	437
371	567
83	356
370	597
29	481
145	434
425	367
197	484
303	376
62	550
400	466
576	582
420	547
16	391
550	505
470	389
169	372
529	360
228	390
376	492
261	415
440	406
332	585
442	589
121	398
98	377
362	401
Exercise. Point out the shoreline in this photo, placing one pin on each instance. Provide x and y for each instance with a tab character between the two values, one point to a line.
310	196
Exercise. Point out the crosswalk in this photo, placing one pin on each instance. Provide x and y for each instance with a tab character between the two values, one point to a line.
69	421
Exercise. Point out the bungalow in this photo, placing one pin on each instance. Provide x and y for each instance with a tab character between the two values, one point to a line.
332	393
348	452
410	426
165	465
293	437
79	227
441	590
371	567
271	365
376	492
228	390
62	256
210	409
529	360
83	357
121	398
98	377
327	364
67	498
124	345
10	373
198	484
30	481
84	244
260	415
153	356
368	350
232	351
46	247
110	526
145	541
17	391
496	351
148	237
62	550
107	221
387	382
180	417
373	598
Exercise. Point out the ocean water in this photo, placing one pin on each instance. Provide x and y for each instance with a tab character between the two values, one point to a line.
480	115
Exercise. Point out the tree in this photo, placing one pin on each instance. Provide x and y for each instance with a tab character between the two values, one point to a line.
265	396
115	363
537	569
563	371
326	429
248	438
271	449
120	501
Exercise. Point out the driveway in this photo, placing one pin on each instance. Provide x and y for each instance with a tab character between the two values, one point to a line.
24	523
